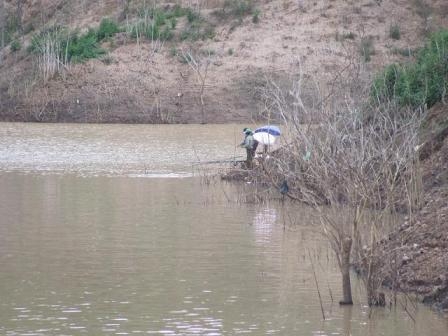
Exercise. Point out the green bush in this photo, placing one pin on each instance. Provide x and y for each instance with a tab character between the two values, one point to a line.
81	48
107	28
423	82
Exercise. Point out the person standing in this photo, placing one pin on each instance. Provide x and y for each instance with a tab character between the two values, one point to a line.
249	144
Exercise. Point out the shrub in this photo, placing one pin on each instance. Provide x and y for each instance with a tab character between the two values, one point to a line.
65	45
107	28
394	32
366	48
15	45
423	82
160	23
83	47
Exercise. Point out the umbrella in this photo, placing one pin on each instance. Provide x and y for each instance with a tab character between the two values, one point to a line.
270	129
266	135
265	138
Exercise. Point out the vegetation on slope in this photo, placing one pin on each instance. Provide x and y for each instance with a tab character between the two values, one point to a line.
423	82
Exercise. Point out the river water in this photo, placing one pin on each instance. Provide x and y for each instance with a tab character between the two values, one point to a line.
107	230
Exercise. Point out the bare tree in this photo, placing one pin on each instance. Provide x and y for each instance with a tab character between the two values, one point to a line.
199	63
352	165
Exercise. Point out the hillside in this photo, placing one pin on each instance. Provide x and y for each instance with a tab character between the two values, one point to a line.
421	242
138	79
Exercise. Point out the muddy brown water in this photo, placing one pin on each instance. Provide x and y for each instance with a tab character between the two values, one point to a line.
105	230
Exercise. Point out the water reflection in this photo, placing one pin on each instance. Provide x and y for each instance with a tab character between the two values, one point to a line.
264	222
347	316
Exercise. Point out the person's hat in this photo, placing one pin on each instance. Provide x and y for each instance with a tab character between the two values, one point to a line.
247	130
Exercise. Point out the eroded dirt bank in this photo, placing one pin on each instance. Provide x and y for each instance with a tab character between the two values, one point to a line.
421	242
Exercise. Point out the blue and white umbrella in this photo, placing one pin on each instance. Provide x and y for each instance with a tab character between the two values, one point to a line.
270	129
267	135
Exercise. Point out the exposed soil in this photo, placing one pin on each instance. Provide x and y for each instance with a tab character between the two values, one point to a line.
140	83
421	242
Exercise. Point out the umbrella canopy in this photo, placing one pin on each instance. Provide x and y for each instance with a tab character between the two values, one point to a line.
265	138
270	129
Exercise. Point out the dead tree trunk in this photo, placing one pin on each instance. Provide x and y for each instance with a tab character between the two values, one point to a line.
346	249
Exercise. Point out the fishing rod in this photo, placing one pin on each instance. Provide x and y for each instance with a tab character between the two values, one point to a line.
229	160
